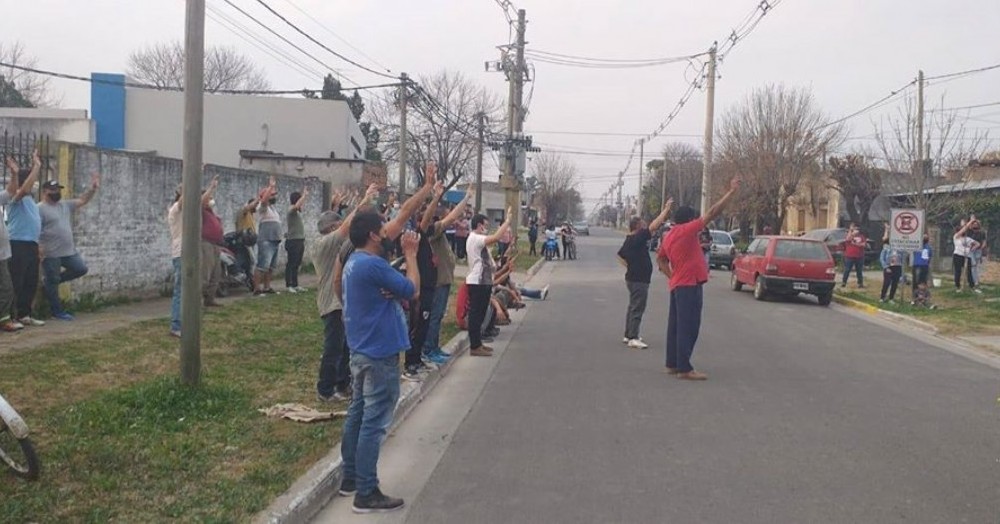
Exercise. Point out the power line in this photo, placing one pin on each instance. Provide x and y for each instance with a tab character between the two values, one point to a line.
964	73
597	133
616	60
137	85
335	35
871	106
287	41
317	42
594	63
254	39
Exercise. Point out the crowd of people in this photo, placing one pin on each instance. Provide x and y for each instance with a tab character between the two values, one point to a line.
36	235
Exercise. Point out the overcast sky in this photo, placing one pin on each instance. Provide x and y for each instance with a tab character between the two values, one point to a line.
849	52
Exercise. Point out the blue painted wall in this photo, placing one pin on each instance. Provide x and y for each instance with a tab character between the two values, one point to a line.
107	108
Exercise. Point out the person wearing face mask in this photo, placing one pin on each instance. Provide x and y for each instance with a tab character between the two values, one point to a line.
295	240
480	277
61	262
25	227
212	238
268	238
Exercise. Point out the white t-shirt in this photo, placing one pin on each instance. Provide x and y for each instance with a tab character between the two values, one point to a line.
551	234
963	246
481	265
174	221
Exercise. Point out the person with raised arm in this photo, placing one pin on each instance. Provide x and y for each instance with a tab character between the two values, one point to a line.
24	227
61	262
480	278
634	255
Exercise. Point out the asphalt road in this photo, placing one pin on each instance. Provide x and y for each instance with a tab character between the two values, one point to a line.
810	414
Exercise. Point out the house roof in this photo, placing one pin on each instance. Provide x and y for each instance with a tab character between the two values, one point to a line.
981	185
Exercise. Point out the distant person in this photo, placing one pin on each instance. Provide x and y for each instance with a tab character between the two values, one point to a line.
461	235
175	220
16	190
922	297
533	237
376	334
552	234
480	278
854	255
634	254
922	263
505	240
295	240
212	239
891	260
978	255
962	257
246	224
705	241
680	258
268	238
61	262
24	225
767	230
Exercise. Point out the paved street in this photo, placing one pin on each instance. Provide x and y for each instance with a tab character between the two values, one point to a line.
810	415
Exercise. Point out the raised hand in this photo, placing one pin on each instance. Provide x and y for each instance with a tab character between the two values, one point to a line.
438	190
430	173
669	203
36	159
95	181
410	241
11	163
734	184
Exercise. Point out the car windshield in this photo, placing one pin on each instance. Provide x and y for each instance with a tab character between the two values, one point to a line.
800	250
719	237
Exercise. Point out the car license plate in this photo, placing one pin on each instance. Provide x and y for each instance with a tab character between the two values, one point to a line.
800	286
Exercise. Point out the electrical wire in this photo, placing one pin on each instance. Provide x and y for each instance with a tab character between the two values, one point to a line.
963	73
137	85
287	41
876	104
324	46
335	35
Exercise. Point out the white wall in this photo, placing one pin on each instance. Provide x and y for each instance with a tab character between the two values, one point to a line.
154	121
66	125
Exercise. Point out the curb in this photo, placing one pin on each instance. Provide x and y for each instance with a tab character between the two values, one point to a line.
314	489
888	315
536	267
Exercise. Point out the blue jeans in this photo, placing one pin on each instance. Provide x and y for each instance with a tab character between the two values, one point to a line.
267	255
175	301
857	264
335	366
376	390
530	293
683	326
55	275
433	340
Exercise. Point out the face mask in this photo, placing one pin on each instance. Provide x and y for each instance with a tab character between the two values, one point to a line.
273	201
211	203
55	196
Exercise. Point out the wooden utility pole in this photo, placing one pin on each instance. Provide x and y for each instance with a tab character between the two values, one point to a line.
403	99
642	144
194	73
515	123
663	182
920	171
479	162
706	172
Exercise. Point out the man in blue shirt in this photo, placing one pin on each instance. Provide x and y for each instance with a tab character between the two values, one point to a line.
376	333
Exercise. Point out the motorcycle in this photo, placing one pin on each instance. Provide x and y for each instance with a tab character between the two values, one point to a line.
550	248
237	262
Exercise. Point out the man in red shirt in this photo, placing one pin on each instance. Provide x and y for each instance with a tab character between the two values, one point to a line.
854	254
680	258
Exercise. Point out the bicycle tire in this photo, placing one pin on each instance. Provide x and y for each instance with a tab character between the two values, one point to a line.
31	468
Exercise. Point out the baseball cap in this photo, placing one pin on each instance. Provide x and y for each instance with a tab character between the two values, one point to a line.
327	220
52	184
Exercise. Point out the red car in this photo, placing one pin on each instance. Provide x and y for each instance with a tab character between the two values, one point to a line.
778	265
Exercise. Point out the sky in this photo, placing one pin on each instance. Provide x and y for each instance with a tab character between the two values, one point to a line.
849	53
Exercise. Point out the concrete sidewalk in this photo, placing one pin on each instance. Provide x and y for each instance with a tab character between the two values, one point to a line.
108	319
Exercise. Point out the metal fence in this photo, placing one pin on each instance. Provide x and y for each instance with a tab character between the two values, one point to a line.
21	147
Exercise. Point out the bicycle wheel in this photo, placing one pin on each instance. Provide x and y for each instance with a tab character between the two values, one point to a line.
19	455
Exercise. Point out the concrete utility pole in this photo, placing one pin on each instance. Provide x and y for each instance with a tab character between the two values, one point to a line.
642	144
706	172
515	123
920	125
663	182
194	73
403	96
479	161
621	205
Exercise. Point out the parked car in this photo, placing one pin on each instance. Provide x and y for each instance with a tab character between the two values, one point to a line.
582	228
723	249
786	266
737	237
834	240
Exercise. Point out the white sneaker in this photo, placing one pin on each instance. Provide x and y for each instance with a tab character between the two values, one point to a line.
302	289
291	290
545	292
977	290
28	321
637	343
626	340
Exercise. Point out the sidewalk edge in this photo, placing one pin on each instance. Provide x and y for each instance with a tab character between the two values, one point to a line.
536	267
888	315
314	489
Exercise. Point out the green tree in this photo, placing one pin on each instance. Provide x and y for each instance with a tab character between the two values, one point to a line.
332	89
10	96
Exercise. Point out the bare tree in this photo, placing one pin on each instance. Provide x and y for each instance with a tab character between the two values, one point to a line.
949	147
441	124
859	182
32	87
162	65
774	138
557	181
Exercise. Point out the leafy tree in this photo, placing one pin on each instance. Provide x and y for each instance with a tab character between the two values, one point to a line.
10	96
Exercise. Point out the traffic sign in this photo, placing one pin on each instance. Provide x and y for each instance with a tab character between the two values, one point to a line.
906	229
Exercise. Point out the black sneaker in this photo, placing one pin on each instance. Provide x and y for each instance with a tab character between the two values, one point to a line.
348	488
376	502
411	374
